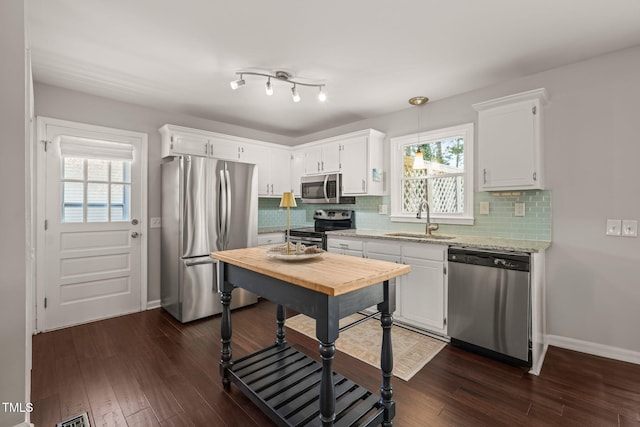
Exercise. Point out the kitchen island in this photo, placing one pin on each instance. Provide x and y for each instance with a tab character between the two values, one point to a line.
287	385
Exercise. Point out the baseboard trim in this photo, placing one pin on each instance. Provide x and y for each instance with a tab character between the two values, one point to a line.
153	304
25	424
595	349
537	367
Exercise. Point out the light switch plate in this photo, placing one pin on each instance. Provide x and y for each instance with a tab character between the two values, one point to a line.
629	228
156	222
519	209
614	227
484	208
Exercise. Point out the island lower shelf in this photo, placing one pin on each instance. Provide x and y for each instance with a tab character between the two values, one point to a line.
285	384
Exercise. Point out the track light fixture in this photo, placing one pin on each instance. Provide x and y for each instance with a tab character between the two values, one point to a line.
284	77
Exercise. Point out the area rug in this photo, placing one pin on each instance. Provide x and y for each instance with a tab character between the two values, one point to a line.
411	350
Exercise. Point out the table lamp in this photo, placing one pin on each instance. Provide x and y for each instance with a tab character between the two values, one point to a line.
288	201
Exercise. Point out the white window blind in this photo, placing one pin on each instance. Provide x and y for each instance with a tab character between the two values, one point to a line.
94	149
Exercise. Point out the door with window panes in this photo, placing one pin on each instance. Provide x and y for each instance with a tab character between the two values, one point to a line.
93	229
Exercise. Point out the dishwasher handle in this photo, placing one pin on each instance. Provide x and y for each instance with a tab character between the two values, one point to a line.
502	260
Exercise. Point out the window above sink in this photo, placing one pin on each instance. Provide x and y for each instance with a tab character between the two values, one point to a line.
446	180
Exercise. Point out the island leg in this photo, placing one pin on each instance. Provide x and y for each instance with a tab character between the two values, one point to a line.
280	334
327	334
327	388
386	355
225	334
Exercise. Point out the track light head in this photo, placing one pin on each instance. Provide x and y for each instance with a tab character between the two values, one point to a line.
268	88
237	83
322	95
294	94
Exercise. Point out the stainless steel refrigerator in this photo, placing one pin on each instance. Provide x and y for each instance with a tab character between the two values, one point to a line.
207	205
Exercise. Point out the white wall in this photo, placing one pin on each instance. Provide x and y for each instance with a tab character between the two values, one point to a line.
12	210
591	148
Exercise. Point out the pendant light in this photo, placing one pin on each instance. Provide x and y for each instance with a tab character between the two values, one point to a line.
418	160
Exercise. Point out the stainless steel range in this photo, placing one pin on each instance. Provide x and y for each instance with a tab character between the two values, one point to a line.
324	220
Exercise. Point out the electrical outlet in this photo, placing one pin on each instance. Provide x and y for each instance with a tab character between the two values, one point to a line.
629	228
155	222
382	209
613	227
519	209
484	208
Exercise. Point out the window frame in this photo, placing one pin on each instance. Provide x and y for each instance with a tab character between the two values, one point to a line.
396	150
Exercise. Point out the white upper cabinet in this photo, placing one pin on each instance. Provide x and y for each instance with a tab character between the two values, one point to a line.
274	176
273	161
510	142
357	156
361	164
322	158
297	171
227	147
177	140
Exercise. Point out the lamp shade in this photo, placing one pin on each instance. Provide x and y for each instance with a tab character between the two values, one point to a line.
288	200
418	161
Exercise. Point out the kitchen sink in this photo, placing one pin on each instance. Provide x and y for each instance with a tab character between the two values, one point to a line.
422	236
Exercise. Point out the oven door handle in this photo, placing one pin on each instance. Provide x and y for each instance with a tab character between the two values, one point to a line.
326	180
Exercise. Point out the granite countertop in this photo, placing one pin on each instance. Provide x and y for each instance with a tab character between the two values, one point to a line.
277	229
476	242
280	228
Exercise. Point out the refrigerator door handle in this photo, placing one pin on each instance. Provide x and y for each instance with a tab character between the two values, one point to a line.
200	262
227	226
222	212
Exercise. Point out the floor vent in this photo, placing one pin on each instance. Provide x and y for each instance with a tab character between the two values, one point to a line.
81	420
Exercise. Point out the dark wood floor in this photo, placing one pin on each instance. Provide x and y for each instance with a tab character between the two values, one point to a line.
146	369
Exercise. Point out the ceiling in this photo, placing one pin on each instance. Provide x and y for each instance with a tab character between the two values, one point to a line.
373	56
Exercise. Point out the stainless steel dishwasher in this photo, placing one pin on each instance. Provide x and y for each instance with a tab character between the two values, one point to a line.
490	303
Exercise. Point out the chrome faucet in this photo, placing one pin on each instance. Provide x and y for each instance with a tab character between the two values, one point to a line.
429	227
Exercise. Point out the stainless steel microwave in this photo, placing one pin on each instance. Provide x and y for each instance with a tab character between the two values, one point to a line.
323	189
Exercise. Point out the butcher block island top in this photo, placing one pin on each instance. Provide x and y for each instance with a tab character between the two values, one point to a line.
330	274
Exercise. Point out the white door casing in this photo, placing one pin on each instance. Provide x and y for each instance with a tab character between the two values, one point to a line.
92	256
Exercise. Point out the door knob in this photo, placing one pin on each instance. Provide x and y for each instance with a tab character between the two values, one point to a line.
135	234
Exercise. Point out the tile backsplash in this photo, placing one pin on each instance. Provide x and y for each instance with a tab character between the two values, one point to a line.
501	221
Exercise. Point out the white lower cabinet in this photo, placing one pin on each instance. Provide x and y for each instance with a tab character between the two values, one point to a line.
384	251
353	247
270	238
421	295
